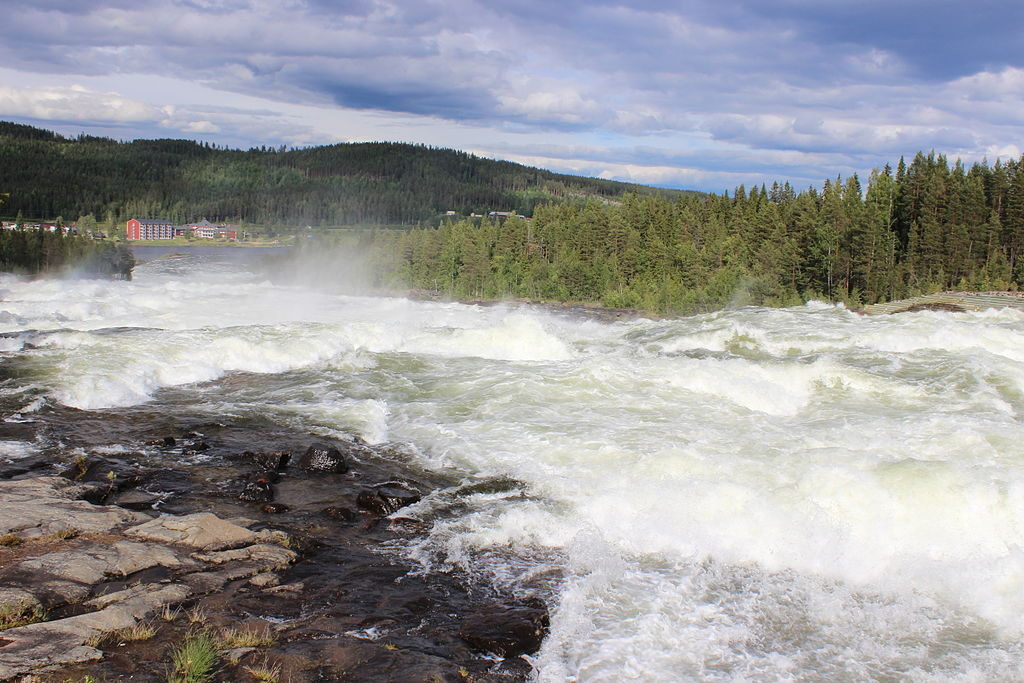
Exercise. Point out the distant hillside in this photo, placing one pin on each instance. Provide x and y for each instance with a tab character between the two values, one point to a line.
48	175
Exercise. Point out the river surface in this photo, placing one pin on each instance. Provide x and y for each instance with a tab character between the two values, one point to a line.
754	494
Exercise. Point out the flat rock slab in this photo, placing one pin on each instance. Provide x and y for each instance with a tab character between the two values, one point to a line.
63	641
46	505
113	543
201	530
91	564
262	552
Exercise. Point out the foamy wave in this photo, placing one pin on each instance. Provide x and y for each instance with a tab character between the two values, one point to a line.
946	334
12	344
16	450
92	371
516	338
342	416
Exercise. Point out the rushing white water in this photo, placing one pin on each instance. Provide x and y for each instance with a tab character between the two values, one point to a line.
747	495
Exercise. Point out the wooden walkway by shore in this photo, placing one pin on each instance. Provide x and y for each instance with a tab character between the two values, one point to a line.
950	301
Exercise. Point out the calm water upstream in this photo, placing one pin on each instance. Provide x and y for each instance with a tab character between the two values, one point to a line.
747	495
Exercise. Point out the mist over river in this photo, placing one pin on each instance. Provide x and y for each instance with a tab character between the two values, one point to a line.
753	494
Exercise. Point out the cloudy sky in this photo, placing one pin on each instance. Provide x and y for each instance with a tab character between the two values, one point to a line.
701	94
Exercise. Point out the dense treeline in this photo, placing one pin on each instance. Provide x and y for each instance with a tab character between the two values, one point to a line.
927	226
34	251
48	175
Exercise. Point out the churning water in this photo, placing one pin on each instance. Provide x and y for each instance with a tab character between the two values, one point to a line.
753	494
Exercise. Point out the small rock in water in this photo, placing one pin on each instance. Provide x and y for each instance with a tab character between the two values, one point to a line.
385	499
506	631
24	466
341	513
416	526
274	461
265	580
136	500
323	458
197	445
259	491
272	477
275	508
107	477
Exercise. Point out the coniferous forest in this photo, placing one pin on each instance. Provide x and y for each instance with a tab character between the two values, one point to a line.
926	226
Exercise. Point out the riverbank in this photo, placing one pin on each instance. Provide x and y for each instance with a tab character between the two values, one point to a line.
297	546
182	242
949	301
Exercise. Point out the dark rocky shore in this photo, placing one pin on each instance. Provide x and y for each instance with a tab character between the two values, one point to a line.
223	529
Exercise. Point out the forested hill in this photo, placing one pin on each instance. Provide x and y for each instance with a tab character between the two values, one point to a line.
48	175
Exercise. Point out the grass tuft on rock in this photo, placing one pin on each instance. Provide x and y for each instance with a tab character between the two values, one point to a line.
264	672
64	534
10	540
194	660
23	613
140	631
169	613
231	638
197	615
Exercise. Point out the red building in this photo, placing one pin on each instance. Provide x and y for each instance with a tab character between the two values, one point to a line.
149	229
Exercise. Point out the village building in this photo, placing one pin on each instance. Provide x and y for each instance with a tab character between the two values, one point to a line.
149	229
162	229
505	214
206	230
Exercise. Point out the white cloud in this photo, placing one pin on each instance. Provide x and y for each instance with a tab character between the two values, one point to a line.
201	127
74	103
560	103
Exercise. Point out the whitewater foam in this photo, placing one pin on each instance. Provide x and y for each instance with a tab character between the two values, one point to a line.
759	494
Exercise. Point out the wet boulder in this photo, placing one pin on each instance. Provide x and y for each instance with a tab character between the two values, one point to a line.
410	525
194	447
272	461
266	462
340	513
24	466
272	477
261	490
107	476
136	499
323	458
387	498
506	631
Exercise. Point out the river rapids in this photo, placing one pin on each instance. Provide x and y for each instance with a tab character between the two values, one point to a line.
752	494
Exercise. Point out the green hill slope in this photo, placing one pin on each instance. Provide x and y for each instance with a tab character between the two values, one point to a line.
48	175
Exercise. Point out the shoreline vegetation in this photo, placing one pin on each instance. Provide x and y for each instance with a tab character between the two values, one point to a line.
926	228
181	242
40	252
477	229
